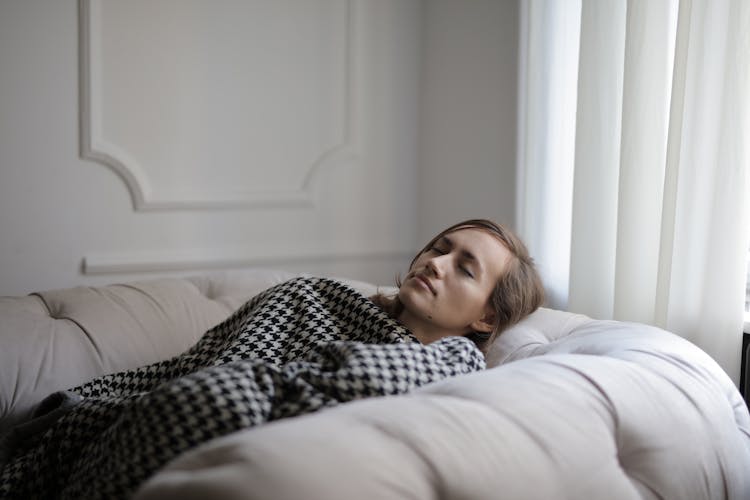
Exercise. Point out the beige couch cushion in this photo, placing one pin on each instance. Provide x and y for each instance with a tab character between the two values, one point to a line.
58	339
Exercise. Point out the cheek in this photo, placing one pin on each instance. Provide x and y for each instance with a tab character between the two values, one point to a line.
472	300
419	263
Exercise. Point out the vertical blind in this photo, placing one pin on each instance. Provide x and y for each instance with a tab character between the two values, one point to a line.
633	164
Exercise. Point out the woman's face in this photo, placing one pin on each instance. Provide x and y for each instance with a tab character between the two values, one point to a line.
448	288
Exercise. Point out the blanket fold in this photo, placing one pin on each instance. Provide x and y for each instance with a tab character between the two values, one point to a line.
296	348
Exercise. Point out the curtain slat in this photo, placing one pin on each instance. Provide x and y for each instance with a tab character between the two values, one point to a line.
598	133
649	56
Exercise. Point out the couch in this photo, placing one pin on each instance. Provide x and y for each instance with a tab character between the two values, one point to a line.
569	406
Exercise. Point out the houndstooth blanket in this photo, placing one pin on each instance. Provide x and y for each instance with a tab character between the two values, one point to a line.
298	347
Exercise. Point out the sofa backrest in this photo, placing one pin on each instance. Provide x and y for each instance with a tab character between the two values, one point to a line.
59	339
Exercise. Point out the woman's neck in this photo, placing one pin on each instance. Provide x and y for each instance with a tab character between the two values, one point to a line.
424	330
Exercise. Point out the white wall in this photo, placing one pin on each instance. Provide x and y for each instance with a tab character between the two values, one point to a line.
469	106
404	123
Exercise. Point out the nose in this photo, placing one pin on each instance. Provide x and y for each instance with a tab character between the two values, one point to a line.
435	266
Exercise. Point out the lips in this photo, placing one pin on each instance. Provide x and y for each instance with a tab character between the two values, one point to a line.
423	279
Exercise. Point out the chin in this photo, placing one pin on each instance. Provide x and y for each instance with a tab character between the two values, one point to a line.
414	302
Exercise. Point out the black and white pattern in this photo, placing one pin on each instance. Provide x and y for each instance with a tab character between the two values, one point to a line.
298	347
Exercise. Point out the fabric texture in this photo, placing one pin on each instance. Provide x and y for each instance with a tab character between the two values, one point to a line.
298	347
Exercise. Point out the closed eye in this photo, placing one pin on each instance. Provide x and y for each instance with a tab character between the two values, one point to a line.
466	271
437	250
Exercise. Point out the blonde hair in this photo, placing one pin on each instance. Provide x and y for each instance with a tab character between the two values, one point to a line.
517	293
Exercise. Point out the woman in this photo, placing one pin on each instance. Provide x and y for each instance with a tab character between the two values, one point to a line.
473	279
297	347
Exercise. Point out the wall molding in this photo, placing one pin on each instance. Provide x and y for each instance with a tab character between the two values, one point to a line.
135	263
144	197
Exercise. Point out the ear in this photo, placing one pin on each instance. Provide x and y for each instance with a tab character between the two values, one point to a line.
486	323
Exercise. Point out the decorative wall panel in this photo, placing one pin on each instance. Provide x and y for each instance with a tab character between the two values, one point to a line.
217	104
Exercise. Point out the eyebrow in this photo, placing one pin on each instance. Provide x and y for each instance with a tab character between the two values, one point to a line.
465	254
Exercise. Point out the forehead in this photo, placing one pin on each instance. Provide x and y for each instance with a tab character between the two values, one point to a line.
473	236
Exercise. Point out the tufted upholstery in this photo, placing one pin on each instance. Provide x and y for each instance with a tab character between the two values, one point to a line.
58	339
571	407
